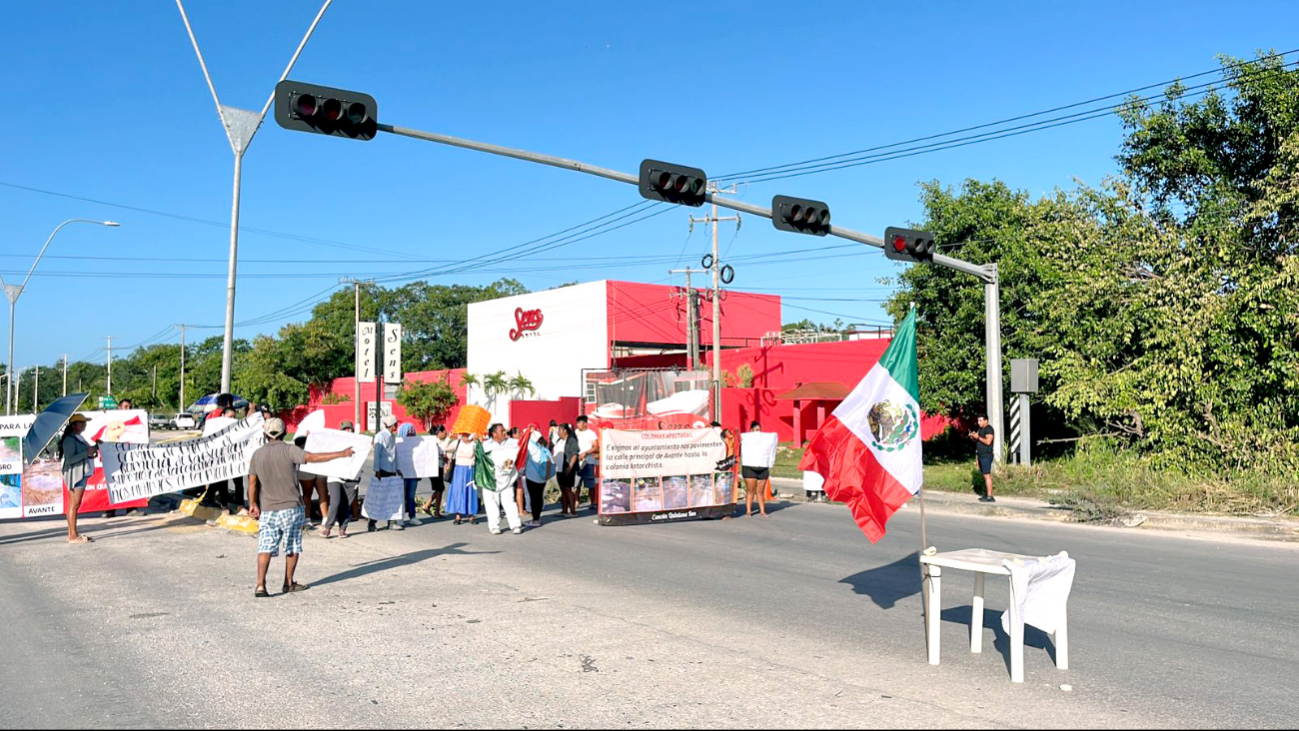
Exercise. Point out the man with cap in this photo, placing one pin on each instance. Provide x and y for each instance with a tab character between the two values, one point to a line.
276	503
385	458
342	493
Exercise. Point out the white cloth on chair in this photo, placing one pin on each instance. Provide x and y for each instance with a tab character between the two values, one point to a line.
1042	591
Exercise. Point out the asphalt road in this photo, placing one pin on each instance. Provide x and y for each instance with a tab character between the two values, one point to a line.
794	621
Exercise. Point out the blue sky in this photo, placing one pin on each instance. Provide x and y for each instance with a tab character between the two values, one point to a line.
108	103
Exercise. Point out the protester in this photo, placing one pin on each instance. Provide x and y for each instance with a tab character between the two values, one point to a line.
277	504
756	462
410	483
504	472
124	404
221	490
385	460
983	439
342	493
552	434
565	453
538	471
311	483
520	484
588	442
438	482
462	500
78	457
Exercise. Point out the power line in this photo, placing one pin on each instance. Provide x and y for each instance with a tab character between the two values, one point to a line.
774	168
1075	118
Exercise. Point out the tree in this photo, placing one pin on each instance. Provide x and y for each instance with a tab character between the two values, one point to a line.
494	384
520	386
428	401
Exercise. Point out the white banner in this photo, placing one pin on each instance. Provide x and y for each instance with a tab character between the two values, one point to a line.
372	417
333	440
418	456
135	471
384	499
391	352
367	344
656	453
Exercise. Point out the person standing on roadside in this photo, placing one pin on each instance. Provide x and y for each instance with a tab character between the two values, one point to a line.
538	471
757	457
411	484
342	493
588	442
462	500
504	474
983	439
276	502
78	465
385	460
312	484
438	482
566	469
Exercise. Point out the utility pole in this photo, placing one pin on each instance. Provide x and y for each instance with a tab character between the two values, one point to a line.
181	406
155	381
356	349
716	268
692	316
110	365
65	374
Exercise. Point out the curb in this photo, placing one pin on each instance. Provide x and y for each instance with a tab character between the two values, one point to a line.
193	509
1277	529
238	523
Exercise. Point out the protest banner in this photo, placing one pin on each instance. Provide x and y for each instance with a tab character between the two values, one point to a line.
321	441
663	475
136	471
385	499
311	422
418	456
214	424
45	492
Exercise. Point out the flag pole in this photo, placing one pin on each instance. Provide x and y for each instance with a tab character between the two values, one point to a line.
924	546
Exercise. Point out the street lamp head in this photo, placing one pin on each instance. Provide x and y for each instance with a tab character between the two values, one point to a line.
112	223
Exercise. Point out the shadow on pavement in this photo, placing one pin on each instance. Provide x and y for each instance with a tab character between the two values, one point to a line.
97	532
1033	637
392	562
887	585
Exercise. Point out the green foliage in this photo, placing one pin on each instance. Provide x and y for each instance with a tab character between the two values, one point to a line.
520	385
744	374
428	401
1164	304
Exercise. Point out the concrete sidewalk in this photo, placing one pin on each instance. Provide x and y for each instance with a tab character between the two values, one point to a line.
1279	529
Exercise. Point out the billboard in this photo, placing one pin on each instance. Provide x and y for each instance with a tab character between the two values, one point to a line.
663	475
646	399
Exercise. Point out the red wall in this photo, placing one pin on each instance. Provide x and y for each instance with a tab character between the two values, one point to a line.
785	367
649	313
563	410
337	413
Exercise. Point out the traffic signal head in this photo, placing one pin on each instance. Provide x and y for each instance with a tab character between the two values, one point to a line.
320	109
662	181
800	215
904	244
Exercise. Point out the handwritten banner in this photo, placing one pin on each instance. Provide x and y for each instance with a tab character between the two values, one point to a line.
418	456
385	499
135	471
321	441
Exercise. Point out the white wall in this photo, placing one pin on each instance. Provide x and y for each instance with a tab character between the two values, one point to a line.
574	334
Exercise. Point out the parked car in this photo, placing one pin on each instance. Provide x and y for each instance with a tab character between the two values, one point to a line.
183	421
159	421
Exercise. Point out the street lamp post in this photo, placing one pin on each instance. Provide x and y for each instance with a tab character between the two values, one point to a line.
14	291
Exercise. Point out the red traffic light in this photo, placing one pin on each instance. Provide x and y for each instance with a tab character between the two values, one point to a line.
899	244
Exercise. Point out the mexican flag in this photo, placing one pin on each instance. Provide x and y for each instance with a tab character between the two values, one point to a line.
868	451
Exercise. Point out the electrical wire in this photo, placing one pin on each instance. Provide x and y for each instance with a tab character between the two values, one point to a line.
1218	71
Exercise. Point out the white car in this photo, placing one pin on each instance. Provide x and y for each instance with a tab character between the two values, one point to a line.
183	421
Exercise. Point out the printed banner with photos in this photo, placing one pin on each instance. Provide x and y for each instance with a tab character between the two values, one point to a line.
663	475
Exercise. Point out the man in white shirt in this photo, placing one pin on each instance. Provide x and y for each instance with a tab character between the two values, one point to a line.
503	452
588	444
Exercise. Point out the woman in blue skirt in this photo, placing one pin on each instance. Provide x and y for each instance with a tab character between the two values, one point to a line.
462	498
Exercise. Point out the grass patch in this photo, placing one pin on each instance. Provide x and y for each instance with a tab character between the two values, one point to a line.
1099	483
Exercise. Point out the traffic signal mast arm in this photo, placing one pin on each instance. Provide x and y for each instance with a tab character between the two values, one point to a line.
983	273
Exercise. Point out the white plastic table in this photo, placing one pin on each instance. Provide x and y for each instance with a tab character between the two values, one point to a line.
982	562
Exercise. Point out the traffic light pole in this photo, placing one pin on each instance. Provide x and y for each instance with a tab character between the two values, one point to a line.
986	273
240	125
